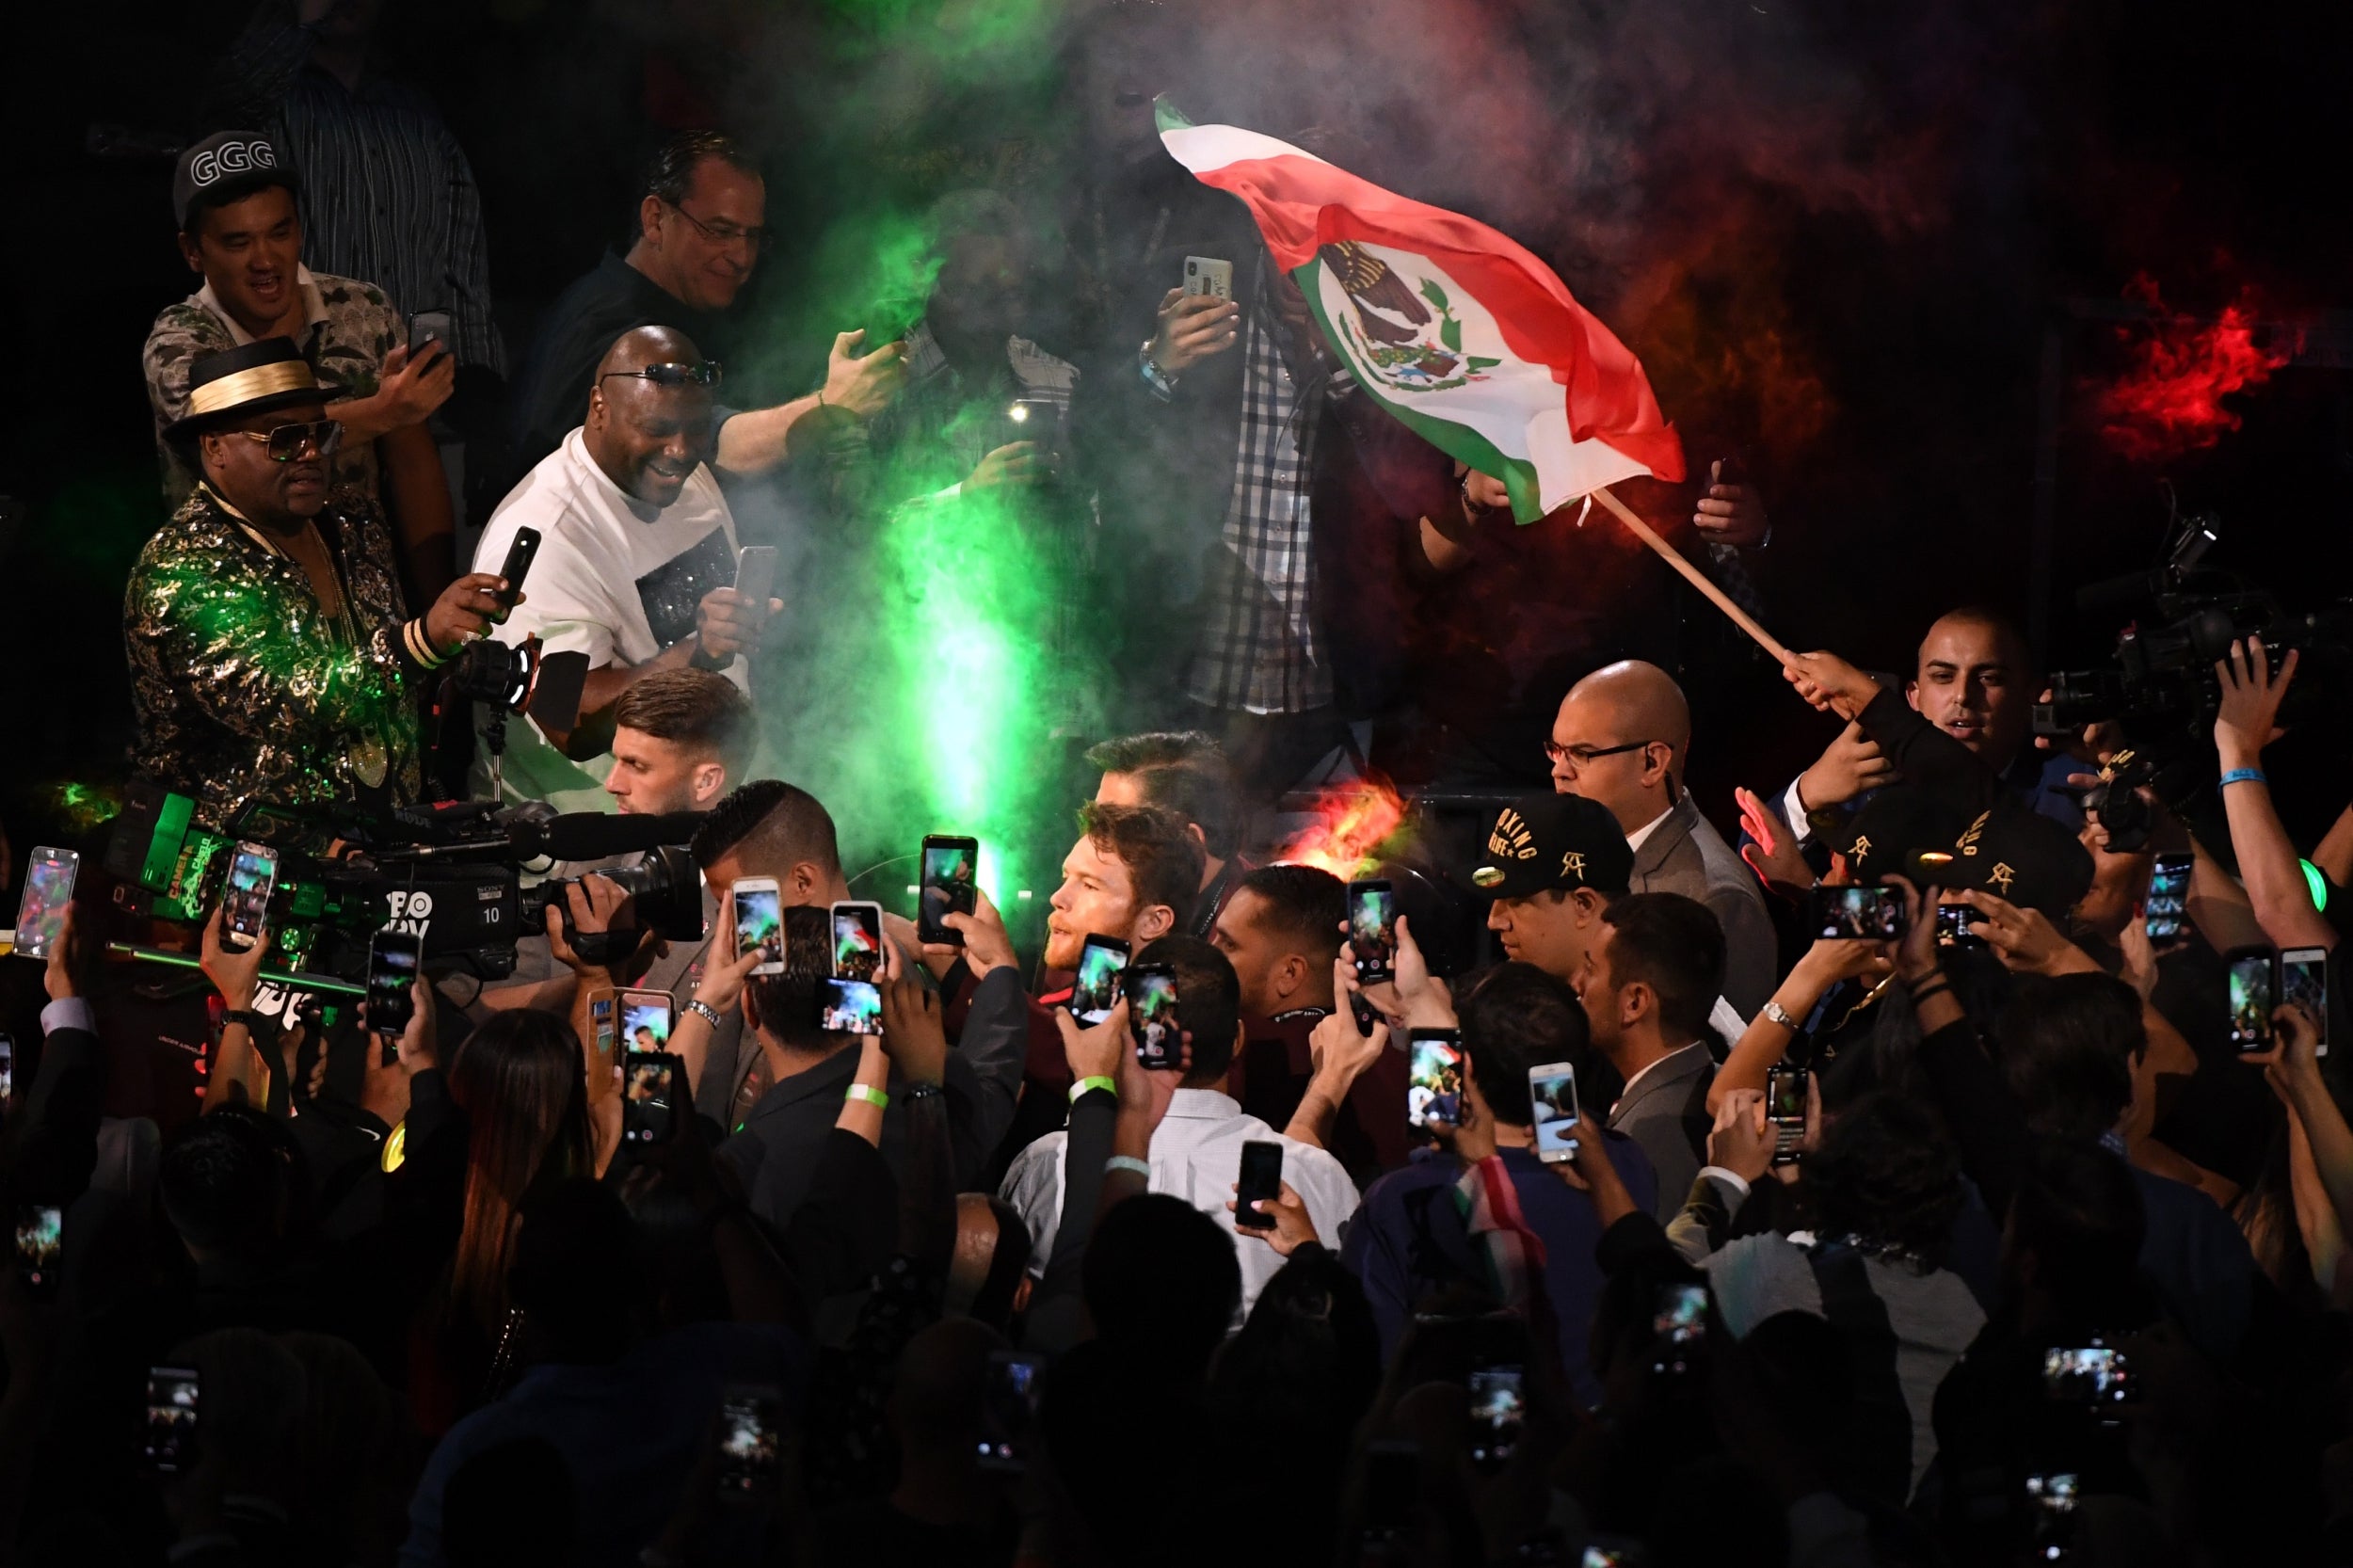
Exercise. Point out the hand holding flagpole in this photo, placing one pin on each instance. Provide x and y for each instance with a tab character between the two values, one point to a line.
1692	574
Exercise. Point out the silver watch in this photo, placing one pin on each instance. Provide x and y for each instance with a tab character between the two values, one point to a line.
709	1014
1774	1011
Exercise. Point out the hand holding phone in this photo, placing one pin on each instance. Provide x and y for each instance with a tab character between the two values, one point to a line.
647	1019
252	878
1856	914
48	889
2168	903
1096	990
858	940
1552	1090
756	577
1786	1102
2253	993
1434	1082
651	1083
1262	1181
756	915
519	554
948	883
1372	930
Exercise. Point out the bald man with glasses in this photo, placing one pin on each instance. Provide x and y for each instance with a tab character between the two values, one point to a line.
1623	739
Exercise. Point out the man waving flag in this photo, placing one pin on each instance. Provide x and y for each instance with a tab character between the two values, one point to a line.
1457	330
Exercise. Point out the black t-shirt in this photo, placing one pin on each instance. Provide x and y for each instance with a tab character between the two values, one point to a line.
551	394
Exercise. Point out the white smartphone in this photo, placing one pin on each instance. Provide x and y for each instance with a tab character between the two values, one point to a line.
1552	1089
2304	983
1207	275
252	877
756	573
757	912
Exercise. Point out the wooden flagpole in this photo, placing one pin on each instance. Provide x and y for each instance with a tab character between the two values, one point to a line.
1692	574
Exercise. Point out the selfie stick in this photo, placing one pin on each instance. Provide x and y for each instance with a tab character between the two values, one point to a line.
293	981
1692	574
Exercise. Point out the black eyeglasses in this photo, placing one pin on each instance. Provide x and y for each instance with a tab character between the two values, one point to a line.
704	375
723	233
286	443
1584	756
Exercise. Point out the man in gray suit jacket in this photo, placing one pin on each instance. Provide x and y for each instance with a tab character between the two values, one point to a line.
1623	738
1647	992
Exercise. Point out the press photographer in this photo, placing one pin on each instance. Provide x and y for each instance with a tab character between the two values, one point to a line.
271	656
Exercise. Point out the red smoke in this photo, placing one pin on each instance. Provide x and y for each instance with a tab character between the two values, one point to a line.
1352	821
2170	400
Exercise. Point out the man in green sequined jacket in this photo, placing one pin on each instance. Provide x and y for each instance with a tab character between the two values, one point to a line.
271	656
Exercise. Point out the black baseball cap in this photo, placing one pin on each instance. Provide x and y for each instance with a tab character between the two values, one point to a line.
1541	843
2017	854
1895	827
224	167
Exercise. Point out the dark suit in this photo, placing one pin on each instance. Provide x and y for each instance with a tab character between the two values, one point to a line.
1665	1111
1686	855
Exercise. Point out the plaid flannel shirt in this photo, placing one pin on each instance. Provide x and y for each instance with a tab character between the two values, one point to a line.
1258	649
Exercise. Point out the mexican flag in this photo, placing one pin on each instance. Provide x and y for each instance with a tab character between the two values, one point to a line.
1453	328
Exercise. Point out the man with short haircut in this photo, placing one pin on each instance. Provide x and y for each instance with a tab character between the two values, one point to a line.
272	657
681	740
1647	989
1184	771
1411	1241
1130	875
701	225
1281	931
772	828
1975	680
637	561
1197	1150
1622	737
240	230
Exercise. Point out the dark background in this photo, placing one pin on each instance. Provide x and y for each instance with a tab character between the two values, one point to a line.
1843	238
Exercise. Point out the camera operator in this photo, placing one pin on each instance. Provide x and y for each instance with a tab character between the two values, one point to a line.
636	558
270	652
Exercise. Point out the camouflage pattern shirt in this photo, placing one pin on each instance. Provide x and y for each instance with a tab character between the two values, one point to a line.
245	688
349	327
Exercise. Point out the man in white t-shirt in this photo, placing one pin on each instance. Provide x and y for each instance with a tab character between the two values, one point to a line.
636	559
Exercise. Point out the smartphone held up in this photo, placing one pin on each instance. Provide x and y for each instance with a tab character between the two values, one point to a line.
1153	1021
1372	930
949	883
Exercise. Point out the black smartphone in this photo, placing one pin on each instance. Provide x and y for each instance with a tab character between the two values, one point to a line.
650	1081
2092	1374
48	889
1038	420
849	1006
1153	1022
173	1399
518	564
756	573
2303	983
1008	1408
1952	926
1262	1182
748	1455
1840	914
1433	1080
40	1247
1784	1110
1392	1483
427	329
1372	930
1498	1407
1101	961
2254	993
2168	904
857	939
393	960
949	884
1679	1326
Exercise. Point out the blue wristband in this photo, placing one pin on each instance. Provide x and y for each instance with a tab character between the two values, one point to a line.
2242	776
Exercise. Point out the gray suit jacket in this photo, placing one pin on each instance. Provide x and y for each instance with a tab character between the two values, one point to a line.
1666	1113
1686	855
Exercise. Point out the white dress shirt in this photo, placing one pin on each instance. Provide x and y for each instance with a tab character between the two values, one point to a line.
1635	840
1197	1156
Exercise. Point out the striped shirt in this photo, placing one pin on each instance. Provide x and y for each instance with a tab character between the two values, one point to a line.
387	192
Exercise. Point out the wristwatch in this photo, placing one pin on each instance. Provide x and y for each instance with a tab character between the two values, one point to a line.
709	1013
255	1023
1774	1011
1160	381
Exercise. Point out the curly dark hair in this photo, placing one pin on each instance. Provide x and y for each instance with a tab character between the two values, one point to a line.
2067	1046
1888	1175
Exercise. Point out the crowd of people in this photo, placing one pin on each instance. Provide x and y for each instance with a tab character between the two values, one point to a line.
1898	1181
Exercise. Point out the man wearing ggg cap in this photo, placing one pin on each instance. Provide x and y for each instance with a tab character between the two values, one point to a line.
240	230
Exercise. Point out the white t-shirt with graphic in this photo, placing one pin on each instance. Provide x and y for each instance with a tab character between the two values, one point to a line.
615	578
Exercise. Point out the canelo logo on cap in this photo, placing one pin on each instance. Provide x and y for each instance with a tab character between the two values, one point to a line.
1968	844
230	157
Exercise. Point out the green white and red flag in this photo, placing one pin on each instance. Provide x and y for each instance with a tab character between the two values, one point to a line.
1455	329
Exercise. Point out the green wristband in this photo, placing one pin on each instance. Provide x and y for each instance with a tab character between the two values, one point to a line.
1097	1081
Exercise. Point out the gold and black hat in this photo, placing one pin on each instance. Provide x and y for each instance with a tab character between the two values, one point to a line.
251	378
1542	842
